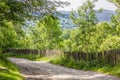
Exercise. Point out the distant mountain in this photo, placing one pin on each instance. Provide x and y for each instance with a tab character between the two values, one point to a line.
105	15
67	23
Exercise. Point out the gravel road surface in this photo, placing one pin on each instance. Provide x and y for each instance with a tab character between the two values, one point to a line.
40	70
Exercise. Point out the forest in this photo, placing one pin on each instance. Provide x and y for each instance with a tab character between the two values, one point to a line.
90	46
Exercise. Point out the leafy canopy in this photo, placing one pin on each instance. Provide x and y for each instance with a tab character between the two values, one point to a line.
18	11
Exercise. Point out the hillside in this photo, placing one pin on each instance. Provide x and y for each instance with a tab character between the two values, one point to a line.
67	23
102	16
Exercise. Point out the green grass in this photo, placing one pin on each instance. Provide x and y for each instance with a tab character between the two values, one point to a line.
115	70
26	56
88	65
11	72
32	57
47	59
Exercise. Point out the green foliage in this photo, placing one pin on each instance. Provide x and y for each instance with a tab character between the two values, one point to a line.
33	57
117	2
13	15
65	44
102	31
85	20
26	56
18	11
46	35
92	36
116	18
86	15
112	42
10	38
7	36
88	65
81	64
11	73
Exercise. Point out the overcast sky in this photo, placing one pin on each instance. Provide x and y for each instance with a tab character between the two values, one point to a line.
100	4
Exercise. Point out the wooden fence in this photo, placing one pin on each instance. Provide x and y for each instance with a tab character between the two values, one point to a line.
109	56
33	51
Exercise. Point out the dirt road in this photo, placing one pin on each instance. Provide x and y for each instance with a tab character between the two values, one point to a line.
39	70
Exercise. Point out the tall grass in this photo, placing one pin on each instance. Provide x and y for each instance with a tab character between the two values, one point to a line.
8	71
26	56
35	57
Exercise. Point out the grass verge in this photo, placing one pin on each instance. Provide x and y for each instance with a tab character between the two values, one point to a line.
26	56
34	57
8	71
88	65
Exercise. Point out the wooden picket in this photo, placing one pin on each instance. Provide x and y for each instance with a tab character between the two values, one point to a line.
108	56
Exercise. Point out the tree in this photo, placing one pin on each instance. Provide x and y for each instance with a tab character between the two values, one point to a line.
18	11
66	43
111	42
46	35
102	31
116	2
115	22
85	20
8	36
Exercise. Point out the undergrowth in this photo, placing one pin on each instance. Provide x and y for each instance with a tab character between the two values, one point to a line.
26	56
88	65
8	71
35	57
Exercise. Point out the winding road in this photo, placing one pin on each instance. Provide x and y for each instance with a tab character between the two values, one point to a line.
40	70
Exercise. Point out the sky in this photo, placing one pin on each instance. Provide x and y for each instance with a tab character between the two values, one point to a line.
104	4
